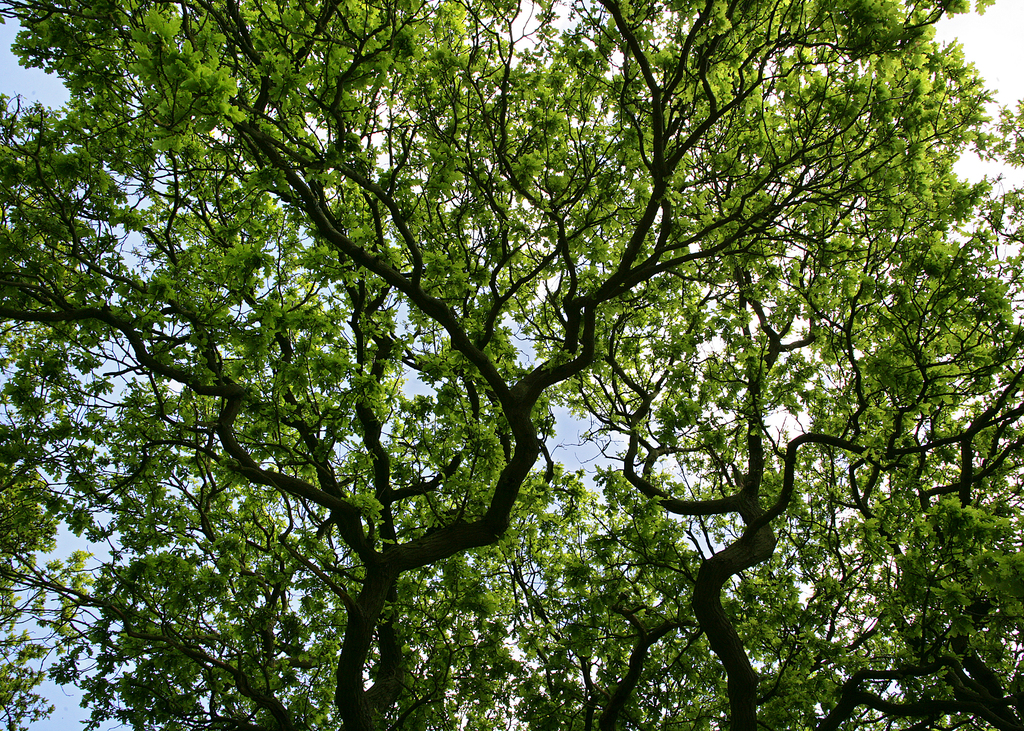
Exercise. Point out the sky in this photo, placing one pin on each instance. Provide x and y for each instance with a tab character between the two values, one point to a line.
991	42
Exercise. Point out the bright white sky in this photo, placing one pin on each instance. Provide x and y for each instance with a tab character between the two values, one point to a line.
991	42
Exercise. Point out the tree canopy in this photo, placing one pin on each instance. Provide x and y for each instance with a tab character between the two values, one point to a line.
292	292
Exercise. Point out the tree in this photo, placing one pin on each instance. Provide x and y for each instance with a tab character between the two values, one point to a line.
24	529
292	292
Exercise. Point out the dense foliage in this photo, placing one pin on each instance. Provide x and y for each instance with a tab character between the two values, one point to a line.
291	292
